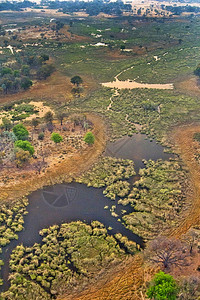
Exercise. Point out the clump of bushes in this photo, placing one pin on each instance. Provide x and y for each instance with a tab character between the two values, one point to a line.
67	253
11	222
157	198
110	172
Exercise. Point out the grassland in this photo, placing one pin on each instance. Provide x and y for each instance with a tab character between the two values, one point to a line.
158	52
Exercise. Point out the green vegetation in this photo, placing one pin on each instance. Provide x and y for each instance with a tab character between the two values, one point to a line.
11	222
157	198
68	253
56	137
22	71
20	131
89	138
109	172
76	80
25	145
163	287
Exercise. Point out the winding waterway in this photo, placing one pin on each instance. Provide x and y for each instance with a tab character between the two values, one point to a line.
71	202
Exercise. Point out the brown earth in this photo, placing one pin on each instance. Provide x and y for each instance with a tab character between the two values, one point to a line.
70	167
187	147
57	88
189	86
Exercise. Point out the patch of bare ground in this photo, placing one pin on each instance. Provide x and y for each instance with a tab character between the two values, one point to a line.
62	171
57	88
187	148
189	86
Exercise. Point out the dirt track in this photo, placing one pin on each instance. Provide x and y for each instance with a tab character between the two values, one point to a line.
186	147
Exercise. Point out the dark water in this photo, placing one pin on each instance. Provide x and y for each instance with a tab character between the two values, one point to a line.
71	202
137	148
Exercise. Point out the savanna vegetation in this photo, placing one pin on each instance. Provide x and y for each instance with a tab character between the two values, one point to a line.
88	52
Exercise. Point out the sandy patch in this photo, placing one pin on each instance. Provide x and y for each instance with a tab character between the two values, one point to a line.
131	84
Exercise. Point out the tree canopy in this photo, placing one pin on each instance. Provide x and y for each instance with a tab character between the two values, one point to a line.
76	80
163	287
21	132
89	138
25	145
56	137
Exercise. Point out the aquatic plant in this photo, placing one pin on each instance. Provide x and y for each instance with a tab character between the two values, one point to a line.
67	254
110	172
157	198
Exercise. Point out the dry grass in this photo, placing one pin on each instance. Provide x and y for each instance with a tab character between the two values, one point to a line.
186	147
127	283
57	88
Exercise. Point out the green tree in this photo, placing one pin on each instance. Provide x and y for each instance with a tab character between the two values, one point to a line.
21	132
26	83
45	71
25	70
25	145
89	138
35	122
163	287
44	57
76	80
197	71
56	137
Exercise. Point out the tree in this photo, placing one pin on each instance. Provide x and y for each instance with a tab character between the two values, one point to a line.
89	138
56	137
163	287
21	132
21	157
122	47
167	252
35	122
45	57
25	145
48	117
25	70
26	83
45	71
60	116
191	238
76	80
197	71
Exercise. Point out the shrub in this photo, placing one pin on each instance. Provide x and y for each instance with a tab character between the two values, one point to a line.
25	145
162	287
56	137
41	136
21	132
89	138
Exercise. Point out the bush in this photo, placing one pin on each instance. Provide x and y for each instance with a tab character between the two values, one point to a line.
89	138
56	137
41	136
21	132
163	287
25	145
